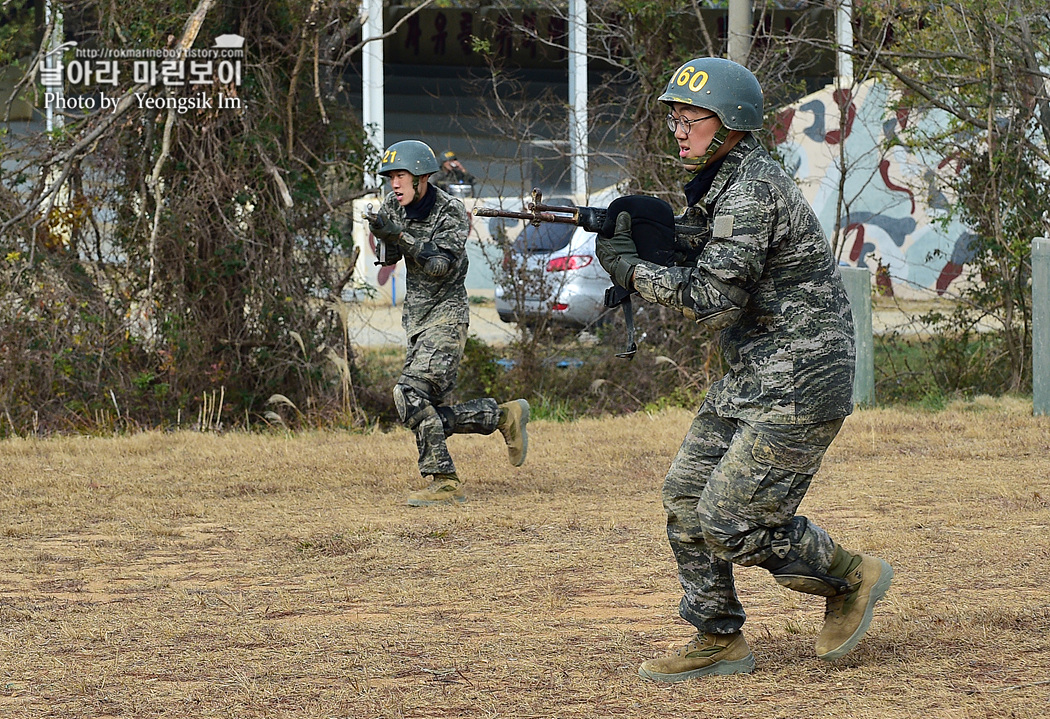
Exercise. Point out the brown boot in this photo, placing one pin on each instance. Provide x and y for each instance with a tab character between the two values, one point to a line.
513	416
706	654
848	615
445	489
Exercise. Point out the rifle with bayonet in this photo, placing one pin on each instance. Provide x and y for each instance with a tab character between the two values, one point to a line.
656	235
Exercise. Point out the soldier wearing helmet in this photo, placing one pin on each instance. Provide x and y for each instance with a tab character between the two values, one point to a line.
452	172
428	228
766	279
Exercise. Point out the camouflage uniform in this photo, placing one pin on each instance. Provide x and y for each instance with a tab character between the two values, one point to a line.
767	279
452	176
435	316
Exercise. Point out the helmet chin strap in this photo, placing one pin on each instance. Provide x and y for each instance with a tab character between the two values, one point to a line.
716	142
415	189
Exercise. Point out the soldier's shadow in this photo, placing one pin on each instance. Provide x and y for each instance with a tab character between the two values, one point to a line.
777	652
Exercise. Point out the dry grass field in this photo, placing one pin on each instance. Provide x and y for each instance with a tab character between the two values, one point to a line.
250	576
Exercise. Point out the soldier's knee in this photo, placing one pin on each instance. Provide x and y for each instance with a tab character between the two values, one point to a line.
412	404
725	533
718	513
722	544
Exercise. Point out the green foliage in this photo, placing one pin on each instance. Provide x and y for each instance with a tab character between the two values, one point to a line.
479	374
17	30
933	370
571	379
552	409
686	397
376	372
568	378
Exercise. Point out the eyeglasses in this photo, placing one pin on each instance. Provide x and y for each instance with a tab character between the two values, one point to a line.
673	123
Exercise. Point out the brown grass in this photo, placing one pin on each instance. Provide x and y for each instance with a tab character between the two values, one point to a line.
193	575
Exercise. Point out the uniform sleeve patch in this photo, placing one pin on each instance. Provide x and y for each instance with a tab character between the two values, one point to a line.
723	226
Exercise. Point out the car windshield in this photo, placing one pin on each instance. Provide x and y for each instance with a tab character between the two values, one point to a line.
545	237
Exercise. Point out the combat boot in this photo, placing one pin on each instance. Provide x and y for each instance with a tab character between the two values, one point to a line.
513	416
445	489
848	615
706	654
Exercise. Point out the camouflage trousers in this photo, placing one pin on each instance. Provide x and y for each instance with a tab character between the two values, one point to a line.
427	379
730	489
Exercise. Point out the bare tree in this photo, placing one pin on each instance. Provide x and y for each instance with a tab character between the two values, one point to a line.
174	238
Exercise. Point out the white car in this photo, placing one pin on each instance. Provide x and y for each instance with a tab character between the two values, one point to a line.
552	270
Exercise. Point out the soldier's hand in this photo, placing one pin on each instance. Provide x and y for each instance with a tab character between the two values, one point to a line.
437	266
436	261
618	254
385	227
387	254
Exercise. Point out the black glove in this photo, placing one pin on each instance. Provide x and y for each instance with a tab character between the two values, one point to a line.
619	254
437	266
389	252
385	227
436	261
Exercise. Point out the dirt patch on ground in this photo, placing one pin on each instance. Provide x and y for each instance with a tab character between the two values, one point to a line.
274	576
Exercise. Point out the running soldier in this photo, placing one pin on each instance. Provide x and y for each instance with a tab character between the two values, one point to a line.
428	228
767	279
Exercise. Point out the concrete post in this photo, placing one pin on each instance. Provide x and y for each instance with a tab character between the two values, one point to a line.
578	123
1041	325
858	287
844	41
373	115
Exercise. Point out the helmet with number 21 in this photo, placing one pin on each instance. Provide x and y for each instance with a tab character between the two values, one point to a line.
412	156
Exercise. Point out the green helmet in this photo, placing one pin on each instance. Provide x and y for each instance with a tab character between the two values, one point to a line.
726	88
412	156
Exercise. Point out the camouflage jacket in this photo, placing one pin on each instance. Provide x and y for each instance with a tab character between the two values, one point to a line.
431	301
768	280
455	176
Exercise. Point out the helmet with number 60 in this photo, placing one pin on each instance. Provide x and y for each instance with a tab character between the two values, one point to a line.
726	88
412	156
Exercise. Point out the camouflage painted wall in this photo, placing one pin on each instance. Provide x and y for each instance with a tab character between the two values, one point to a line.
892	214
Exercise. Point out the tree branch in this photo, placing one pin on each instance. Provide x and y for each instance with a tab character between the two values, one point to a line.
190	30
87	141
345	57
